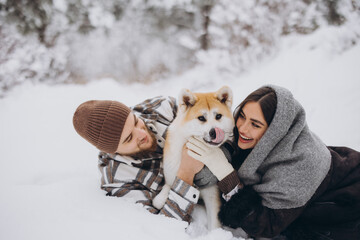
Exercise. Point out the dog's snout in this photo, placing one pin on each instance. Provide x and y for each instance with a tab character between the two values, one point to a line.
212	133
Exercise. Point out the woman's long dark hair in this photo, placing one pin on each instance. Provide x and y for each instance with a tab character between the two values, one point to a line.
266	97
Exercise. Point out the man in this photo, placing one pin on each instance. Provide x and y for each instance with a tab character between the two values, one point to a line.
131	142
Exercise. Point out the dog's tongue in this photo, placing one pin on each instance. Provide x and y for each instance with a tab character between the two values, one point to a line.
219	135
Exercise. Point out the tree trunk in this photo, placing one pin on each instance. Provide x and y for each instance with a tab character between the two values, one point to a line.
205	38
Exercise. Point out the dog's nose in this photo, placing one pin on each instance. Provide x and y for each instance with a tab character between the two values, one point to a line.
212	133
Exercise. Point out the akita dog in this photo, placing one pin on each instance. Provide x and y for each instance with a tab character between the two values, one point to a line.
204	115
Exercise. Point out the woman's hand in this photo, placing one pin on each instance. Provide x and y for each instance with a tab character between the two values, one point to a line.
212	157
188	167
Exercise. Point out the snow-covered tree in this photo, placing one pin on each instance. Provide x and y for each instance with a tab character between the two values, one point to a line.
59	41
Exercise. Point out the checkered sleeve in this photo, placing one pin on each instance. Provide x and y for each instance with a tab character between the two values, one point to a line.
141	184
120	180
181	201
162	109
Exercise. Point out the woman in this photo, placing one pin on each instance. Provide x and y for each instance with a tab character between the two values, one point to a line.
282	178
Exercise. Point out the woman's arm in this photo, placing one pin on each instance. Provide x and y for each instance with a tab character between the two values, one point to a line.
245	210
244	206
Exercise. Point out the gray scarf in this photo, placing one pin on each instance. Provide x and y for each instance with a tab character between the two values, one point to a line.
289	162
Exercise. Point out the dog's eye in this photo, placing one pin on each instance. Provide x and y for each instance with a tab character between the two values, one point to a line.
202	119
218	116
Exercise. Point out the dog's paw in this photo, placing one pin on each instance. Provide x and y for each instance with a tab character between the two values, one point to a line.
159	201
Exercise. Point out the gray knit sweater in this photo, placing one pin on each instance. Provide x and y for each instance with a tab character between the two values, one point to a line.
289	162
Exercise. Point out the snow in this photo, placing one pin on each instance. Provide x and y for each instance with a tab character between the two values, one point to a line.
49	179
60	5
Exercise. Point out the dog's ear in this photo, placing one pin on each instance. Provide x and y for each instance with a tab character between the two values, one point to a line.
224	95
186	99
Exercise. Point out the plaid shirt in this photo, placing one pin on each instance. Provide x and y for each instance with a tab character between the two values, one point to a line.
141	178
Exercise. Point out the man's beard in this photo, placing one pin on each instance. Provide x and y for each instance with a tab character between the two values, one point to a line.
144	152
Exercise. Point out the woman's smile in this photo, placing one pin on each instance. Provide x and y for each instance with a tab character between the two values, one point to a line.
244	139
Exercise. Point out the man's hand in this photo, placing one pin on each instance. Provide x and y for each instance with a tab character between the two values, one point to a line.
212	157
188	167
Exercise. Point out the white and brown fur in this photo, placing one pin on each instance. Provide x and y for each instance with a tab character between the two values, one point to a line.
193	109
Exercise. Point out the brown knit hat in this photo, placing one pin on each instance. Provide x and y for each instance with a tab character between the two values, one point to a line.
101	123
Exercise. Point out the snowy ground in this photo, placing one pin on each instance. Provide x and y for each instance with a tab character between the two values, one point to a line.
49	179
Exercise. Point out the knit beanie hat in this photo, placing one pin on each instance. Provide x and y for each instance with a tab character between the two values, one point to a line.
101	123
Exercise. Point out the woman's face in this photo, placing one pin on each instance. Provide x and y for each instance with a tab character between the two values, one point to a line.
251	125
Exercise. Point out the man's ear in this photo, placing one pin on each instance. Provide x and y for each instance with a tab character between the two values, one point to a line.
225	95
186	99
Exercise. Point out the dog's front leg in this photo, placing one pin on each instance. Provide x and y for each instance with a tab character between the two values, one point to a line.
211	198
160	199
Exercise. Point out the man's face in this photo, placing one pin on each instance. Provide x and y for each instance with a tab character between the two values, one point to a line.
135	137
